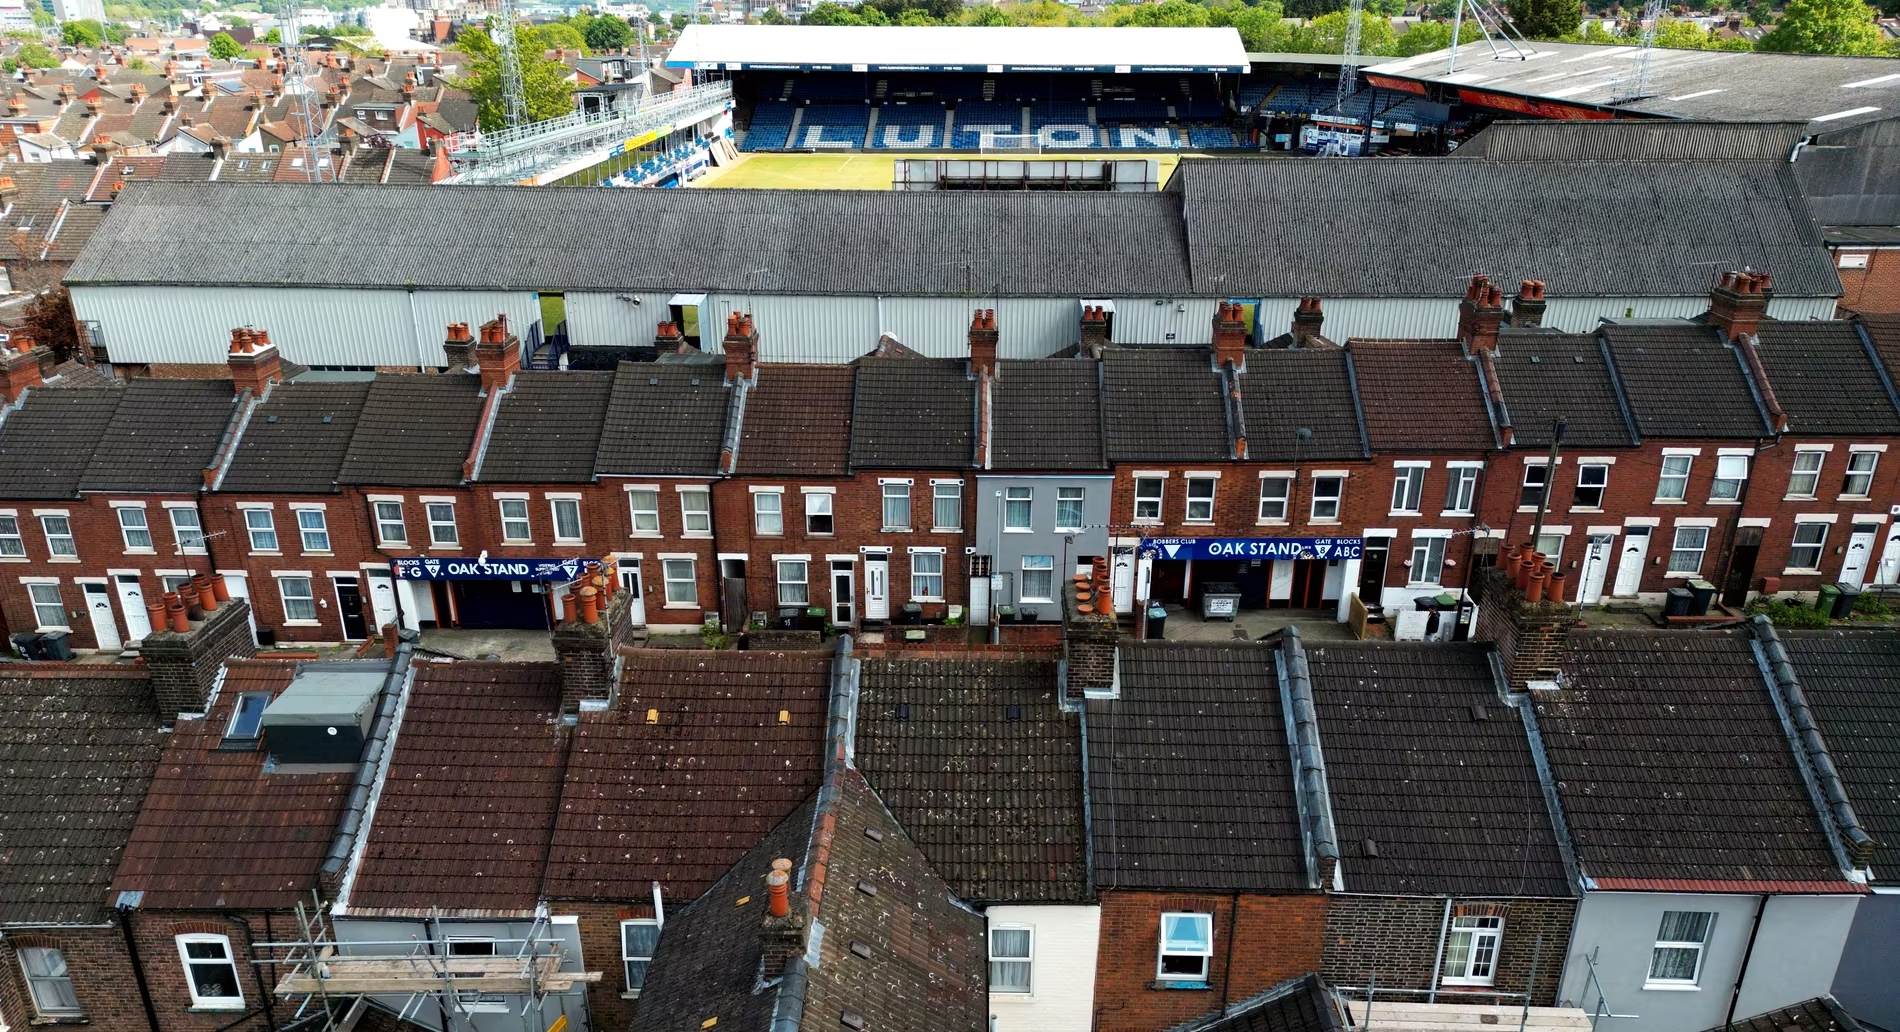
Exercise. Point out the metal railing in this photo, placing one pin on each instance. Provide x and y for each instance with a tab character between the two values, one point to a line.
512	155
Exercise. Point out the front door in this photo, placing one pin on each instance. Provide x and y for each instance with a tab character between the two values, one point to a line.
844	591
1889	570
1372	573
349	606
1629	564
630	580
238	586
1741	567
1596	565
877	589
382	598
138	623
1122	581
105	630
1860	553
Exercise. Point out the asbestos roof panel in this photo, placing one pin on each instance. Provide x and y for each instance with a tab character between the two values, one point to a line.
664	420
295	441
1282	391
415	431
162	436
548	428
1683	381
1047	414
913	413
1825	379
1164	405
46	445
1634	139
1547	376
1421	395
797	421
1852	681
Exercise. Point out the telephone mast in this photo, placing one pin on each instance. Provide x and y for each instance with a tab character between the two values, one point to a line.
306	119
514	100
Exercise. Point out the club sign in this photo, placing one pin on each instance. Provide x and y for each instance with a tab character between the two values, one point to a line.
1252	548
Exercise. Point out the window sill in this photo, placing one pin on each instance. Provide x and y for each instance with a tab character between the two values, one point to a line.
1452	514
394	546
1141	522
1000	995
1403	514
926	599
1854	498
1019	530
215	1008
141	551
1024	601
1272	523
443	548
63	559
646	534
818	534
43	629
269	554
633	995
680	605
191	551
570	542
322	553
1811	498
1672	987
944	530
896	530
1197	523
1068	530
1670	501
1464	983
1202	986
1425	584
1801	572
1586	508
14	559
1725	501
303	623
1323	523
1673	574
61	1019
517	544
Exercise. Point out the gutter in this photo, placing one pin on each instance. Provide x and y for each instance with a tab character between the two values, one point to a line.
1853	847
375	755
1311	758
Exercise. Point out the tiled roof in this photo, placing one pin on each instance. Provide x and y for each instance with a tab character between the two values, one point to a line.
410	166
1671	762
913	413
1164	405
1420	395
1548	376
679	800
74	373
468	801
162	436
664	420
1821	1014
1300	1005
549	428
186	167
1663	365
47	443
77	750
978	762
1047	414
267	832
295	441
1431	777
415	430
798	420
1190	778
1852	681
1824	378
1883	331
1284	390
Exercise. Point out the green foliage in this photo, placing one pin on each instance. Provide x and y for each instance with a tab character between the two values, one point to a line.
548	93
774	16
343	30
273	36
1788	612
26	34
1425	37
116	33
139	64
561	35
224	48
35	55
1869	605
1827	27
1313	8
680	21
82	32
43	18
1169	14
610	33
1546	19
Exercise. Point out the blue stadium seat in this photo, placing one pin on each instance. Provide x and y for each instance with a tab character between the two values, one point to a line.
771	121
834	126
976	116
1212	139
1119	111
908	126
1142	136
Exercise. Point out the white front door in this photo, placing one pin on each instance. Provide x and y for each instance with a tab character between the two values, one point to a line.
1629	567
382	597
1889	570
104	629
1860	553
877	587
240	587
1596	564
630	580
138	623
1122	581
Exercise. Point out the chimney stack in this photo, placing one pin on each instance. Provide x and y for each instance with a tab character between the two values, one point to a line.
1094	331
9	191
1480	314
983	338
668	340
16	106
1739	301
782	932
1230	335
742	347
220	147
460	347
497	354
19	367
1307	320
1528	308
254	361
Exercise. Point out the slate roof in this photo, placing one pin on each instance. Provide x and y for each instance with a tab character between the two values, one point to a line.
1450	802
680	800
1663	365
1546	376
809	241
415	431
1671	765
216	830
1284	390
1298	1005
797	421
664	420
1348	228
470	791
162	436
1852	681
1047	414
1163	405
77	750
295	441
1821	1014
1883	332
913	413
1420	395
549	428
46	444
1825	379
1190	779
978	762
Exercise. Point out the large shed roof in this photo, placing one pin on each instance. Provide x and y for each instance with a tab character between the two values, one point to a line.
848	48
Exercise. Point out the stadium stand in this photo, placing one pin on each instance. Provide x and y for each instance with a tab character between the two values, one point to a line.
771	122
978	118
908	126
834	126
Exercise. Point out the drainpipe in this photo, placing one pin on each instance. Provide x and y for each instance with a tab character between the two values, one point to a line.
1748	954
1438	959
138	965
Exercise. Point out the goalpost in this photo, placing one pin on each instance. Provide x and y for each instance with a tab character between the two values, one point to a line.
1010	143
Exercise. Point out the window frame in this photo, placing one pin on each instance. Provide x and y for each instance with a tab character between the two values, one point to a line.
1718	493
1526	500
1408	490
1669	480
502	505
436	540
1024	572
1796	546
1602	487
1675	546
1700	946
53	552
269	529
691	580
231	729
1812	476
1201	491
1462	485
321	531
126	530
1019	496
210	1003
924	577
889	492
181	533
1157	499
776	513
1285	500
803	582
627	960
1162	953
1027	960
1337	499
815	501
1477	934
555	505
384	523
286	598
34	981
13	542
1427	544
942	491
1847	478
637	512
1078	506
696	519
33	589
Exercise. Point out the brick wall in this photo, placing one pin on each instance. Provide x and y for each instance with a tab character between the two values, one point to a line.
587	653
1259	941
1875	288
608	1005
155	933
1396	939
184	666
346	521
101	972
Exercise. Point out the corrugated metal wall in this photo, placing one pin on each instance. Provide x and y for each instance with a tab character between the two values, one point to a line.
606	321
436	309
1149	320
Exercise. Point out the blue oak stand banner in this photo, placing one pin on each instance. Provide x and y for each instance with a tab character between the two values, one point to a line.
1252	548
485	568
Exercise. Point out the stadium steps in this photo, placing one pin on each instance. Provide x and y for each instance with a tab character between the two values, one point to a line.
949	126
791	135
870	129
1028	119
883	85
786	93
989	89
1092	120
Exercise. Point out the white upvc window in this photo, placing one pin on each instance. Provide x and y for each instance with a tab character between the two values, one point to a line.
59	536
1805	479
442	530
1187	947
1148	499
1676	959
1039	578
1471	950
896	505
1461	491
1408	490
637	942
1672	484
188	530
211	972
314	528
1326	494
1428	561
262	529
1200	499
1593	479
134	528
514	520
1859	482
1274	492
12	545
926	576
696	511
1685	556
1530	494
1011	953
1731	472
792	589
49	609
567	519
1810	541
1069	508
1018	507
682	587
391	529
48	982
818	516
300	603
768	512
644	504
946	507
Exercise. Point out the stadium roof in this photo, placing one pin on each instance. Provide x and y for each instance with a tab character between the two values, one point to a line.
956	48
1572	80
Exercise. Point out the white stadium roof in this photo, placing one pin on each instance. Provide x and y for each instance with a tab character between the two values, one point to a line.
956	48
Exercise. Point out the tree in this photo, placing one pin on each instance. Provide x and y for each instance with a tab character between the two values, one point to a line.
117	33
610	33
224	48
82	32
49	320
562	35
1313	8
273	36
828	13
1546	19
1826	27
43	19
34	55
1261	28
680	21
1171	14
547	92
774	16
987	15
915	16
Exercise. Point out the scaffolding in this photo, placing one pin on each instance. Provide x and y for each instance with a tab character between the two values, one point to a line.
333	980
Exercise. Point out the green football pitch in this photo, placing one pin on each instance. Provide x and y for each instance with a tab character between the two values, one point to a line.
857	170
